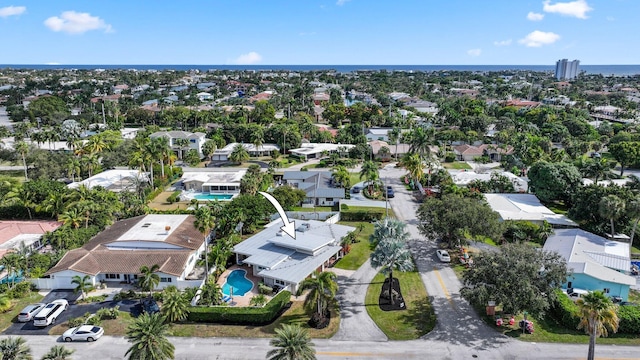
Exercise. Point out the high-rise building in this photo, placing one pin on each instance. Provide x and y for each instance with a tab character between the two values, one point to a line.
567	70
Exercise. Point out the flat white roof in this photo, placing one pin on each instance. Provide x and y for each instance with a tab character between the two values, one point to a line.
153	228
215	178
111	179
525	207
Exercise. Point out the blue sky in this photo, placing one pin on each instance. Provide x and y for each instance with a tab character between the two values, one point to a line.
319	32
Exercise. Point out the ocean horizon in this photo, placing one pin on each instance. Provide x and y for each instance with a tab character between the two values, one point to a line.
605	70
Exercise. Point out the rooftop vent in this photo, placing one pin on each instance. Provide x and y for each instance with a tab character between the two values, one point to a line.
304	227
279	233
146	225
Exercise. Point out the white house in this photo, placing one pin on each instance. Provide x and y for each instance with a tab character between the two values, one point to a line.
378	134
224	182
262	150
114	180
317	150
195	140
526	207
318	185
117	254
285	262
596	263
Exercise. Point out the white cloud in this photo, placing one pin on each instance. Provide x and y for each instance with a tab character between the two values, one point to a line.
474	52
73	22
12	11
248	58
577	8
502	42
539	38
534	16
342	2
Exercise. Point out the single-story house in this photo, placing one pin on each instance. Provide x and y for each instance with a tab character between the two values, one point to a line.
596	263
317	150
318	185
117	253
378	134
114	180
285	262
262	150
13	234
213	181
467	152
526	207
464	177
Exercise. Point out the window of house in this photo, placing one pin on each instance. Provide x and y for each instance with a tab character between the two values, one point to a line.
279	282
193	141
329	199
606	290
165	279
112	276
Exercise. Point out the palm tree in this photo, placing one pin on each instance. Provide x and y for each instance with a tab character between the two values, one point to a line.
83	284
421	138
239	154
208	148
369	171
341	176
148	335
72	217
149	280
611	207
291	343
23	196
414	165
384	152
211	293
204	223
58	352
15	348
175	306
182	144
323	288
391	251
394	137
22	147
633	211
597	317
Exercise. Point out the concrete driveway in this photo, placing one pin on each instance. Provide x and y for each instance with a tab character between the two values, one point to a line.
74	310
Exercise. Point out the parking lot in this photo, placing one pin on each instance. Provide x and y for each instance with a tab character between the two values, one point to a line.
74	310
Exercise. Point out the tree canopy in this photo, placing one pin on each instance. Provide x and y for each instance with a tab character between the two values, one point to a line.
518	277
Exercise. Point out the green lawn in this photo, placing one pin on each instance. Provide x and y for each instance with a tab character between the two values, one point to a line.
458	165
355	178
558	208
312	209
360	251
9	317
417	320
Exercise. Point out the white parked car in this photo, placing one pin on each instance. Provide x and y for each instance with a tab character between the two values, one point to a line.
50	313
443	255
29	312
575	294
83	333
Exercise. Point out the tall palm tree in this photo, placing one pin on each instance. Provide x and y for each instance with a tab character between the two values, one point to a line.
148	335
23	148
15	348
611	207
83	284
149	279
414	165
369	171
323	288
72	217
175	306
391	251
204	223
597	317
208	148
23	196
182	144
341	176
633	211
291	343
59	352
421	138
239	154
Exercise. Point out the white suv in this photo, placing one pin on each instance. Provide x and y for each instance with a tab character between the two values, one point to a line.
50	313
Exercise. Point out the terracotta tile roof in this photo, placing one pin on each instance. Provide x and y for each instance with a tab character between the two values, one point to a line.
11	229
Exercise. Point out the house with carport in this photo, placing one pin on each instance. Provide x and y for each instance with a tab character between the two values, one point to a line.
595	263
116	254
284	262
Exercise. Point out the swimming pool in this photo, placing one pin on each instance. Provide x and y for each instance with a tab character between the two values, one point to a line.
213	196
238	281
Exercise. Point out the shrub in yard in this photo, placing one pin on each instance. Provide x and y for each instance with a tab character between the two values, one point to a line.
629	319
76	322
565	311
93	320
108	313
258	300
174	197
449	157
264	289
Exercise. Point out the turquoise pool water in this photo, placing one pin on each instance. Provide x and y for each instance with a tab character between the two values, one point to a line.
213	196
238	281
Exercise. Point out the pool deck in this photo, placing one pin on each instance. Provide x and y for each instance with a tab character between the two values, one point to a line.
246	298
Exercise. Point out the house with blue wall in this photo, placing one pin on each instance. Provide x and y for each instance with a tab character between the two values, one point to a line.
596	263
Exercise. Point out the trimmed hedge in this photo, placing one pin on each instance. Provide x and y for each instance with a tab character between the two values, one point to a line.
629	316
565	311
241	315
361	215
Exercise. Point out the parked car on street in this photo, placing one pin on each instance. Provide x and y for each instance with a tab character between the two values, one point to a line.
355	189
390	192
443	255
575	294
29	312
48	314
83	333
